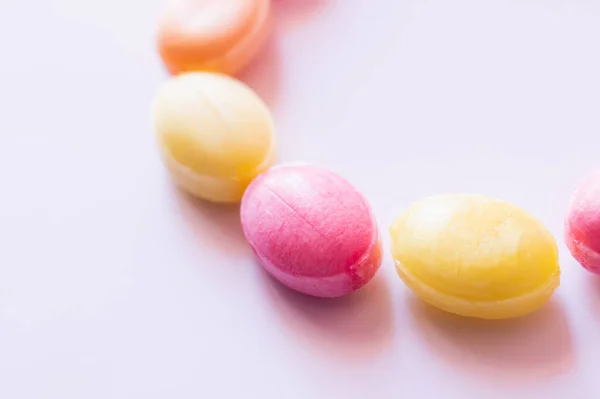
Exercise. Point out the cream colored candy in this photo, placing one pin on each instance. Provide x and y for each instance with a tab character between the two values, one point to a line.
215	134
475	256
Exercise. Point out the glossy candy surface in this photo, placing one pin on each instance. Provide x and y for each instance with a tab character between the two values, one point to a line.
212	35
215	134
312	230
475	256
582	224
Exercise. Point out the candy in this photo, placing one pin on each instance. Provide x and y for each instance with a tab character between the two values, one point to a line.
212	35
582	224
311	230
215	134
475	256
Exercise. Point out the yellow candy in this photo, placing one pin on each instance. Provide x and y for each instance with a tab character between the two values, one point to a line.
475	256
215	134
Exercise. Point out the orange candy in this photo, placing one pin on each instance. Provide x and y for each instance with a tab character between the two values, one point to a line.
212	35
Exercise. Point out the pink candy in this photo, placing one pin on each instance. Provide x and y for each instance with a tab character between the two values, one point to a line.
311	230
582	225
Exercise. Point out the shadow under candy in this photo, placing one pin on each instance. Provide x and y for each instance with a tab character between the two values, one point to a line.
538	345
263	73
291	13
356	326
217	225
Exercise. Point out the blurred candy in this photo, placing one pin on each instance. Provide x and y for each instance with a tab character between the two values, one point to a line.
582	224
212	35
215	134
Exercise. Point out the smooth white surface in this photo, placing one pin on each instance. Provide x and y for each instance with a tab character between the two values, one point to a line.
112	285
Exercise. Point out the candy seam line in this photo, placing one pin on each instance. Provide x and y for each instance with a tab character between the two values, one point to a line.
542	288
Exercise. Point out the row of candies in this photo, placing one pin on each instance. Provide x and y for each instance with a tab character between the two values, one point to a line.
311	229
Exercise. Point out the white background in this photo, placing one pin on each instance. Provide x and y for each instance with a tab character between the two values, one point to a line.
113	285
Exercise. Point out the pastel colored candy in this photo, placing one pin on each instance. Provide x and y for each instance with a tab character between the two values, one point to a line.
582	224
212	35
215	134
311	230
475	256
